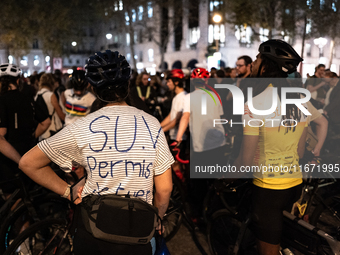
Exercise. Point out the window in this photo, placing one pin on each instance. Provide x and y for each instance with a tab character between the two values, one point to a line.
333	68
128	39
309	3
70	61
135	37
140	36
127	18
78	61
309	26
10	59
194	35
120	5
47	60
36	60
216	32
322	4
141	56
24	61
150	10
285	36
243	35
140	12
263	34
215	6
128	56
116	38
35	44
133	15
150	55
308	50
91	32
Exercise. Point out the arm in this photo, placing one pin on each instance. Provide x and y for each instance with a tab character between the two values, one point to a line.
42	127
63	99
183	124
35	164
321	133
163	186
315	88
6	148
57	107
302	143
165	121
172	123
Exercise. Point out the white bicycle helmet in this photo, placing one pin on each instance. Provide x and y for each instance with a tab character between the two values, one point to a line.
9	69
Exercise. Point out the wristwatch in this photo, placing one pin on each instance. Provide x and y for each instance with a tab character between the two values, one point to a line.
67	191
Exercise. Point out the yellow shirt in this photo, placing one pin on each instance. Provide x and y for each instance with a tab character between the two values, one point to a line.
276	155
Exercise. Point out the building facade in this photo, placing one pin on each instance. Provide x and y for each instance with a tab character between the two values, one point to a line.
184	31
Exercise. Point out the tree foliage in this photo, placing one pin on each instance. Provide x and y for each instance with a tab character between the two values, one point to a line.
53	23
276	16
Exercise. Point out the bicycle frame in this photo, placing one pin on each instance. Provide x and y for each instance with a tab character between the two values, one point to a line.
333	243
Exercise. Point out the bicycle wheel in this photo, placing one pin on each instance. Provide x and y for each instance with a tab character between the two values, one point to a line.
326	216
173	217
50	206
223	232
49	236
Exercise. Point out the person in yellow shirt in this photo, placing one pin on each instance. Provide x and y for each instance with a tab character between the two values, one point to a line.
274	143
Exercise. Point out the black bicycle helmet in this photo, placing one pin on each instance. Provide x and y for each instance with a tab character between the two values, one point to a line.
107	70
78	81
282	53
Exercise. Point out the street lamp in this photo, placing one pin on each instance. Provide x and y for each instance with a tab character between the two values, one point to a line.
108	36
217	18
74	43
320	42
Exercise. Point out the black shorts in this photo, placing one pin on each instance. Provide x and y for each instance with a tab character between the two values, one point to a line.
267	208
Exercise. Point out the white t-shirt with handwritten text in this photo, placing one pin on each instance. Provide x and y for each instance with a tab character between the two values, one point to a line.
122	149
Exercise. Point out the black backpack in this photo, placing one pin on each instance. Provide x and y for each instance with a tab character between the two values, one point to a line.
40	102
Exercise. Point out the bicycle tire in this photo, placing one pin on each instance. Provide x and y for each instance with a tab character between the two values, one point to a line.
173	219
326	216
222	233
43	237
46	207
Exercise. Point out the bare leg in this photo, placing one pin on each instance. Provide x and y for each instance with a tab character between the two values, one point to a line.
267	248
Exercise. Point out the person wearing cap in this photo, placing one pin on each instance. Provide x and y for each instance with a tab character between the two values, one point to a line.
21	123
271	144
110	144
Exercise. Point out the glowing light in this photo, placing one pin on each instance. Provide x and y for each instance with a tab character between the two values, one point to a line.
217	18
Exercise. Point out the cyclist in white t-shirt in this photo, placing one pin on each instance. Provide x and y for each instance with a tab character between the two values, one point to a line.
175	82
123	150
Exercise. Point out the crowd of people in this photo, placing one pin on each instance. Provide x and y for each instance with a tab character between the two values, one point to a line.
107	117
